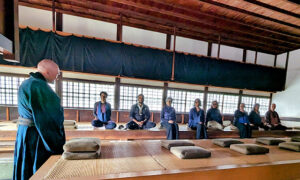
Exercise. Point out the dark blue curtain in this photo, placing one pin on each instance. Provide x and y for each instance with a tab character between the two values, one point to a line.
102	57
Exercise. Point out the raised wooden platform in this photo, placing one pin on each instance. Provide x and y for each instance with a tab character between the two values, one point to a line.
8	133
145	159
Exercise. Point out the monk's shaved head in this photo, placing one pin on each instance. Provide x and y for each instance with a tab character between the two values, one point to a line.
49	69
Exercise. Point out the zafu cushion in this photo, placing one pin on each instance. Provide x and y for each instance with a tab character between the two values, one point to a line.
249	149
69	122
269	140
82	145
190	152
174	143
214	125
80	155
296	138
226	142
226	123
293	146
70	126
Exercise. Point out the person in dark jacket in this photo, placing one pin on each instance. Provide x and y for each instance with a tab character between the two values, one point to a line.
214	114
273	120
102	113
197	120
140	115
255	119
168	120
241	121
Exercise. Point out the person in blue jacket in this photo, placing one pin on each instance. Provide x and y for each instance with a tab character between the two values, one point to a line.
255	119
241	121
140	115
197	120
214	114
168	120
40	124
102	113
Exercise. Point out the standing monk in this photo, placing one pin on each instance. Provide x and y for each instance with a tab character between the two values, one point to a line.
40	124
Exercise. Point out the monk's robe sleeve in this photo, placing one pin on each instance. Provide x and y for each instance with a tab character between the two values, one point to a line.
48	117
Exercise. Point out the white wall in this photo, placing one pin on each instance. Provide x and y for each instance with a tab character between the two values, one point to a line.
35	17
144	37
190	45
288	101
89	27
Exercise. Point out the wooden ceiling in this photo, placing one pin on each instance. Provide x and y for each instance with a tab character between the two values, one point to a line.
261	25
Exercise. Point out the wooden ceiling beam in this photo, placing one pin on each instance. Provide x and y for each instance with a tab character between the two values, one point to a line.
250	13
196	29
178	19
196	11
273	8
77	11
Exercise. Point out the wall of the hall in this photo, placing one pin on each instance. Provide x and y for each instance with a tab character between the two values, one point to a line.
288	101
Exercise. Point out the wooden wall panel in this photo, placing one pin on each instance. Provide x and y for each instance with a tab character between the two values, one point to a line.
70	114
2	113
156	117
13	113
86	115
124	116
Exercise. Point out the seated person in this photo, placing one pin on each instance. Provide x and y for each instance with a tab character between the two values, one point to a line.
168	120
102	113
241	121
197	120
255	119
140	115
214	114
273	120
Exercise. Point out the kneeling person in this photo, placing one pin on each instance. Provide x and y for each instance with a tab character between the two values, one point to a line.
273	120
168	120
102	113
197	120
140	115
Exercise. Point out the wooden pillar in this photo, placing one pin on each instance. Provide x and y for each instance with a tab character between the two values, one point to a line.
209	48
174	46
240	98
7	114
244	55
182	118
117	94
77	116
118	115
287	60
58	86
286	65
120	29
275	60
255	59
219	47
271	99
168	41
165	94
59	21
53	16
205	99
152	117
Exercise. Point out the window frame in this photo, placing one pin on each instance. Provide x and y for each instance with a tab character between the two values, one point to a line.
140	86
84	81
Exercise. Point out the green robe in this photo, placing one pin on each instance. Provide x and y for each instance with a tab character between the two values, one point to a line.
34	145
